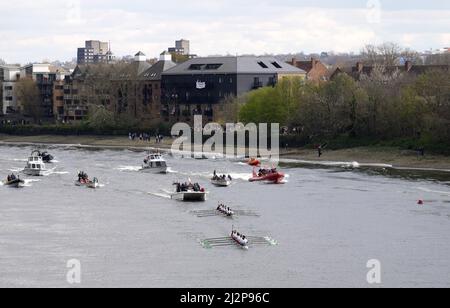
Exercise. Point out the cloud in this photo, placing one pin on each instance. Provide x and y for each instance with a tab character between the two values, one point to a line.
54	29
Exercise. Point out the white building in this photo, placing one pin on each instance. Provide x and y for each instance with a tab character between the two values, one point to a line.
9	74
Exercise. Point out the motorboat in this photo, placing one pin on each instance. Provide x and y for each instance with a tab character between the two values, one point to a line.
13	181
46	157
225	210
189	193
155	163
240	239
84	181
268	175
221	181
254	162
35	165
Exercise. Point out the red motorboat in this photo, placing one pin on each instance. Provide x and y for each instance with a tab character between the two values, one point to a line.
254	162
268	175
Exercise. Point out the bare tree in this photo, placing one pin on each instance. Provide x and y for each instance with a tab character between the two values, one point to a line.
387	54
29	99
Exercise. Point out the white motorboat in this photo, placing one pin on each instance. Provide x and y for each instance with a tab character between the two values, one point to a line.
35	166
189	193
155	163
220	182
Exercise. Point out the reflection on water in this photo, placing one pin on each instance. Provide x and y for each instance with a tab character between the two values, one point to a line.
328	222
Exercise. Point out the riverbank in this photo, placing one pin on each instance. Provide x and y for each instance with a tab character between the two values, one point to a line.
381	155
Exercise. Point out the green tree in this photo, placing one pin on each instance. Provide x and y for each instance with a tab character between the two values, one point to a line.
272	104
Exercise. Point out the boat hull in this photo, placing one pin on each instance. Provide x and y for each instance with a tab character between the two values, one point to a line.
190	196
272	178
88	185
221	183
34	172
14	184
155	170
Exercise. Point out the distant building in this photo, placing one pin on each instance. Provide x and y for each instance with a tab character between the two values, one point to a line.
182	47
360	69
316	71
137	89
88	84
95	52
45	76
9	75
198	86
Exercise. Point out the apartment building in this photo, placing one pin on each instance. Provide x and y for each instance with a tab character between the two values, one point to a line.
9	75
95	52
198	86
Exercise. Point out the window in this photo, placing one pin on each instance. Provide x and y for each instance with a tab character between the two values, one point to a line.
214	66
9	98
276	64
196	67
8	88
272	81
262	64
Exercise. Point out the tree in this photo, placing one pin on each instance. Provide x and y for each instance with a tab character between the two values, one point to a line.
332	109
387	54
272	104
29	99
100	118
2	62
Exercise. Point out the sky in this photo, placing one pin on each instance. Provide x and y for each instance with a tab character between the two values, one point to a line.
31	31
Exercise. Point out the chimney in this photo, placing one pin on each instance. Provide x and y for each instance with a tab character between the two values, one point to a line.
294	61
408	66
314	63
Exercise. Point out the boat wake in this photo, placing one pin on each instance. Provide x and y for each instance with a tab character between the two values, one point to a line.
129	168
207	175
54	172
59	172
241	176
348	165
163	193
447	193
29	182
16	170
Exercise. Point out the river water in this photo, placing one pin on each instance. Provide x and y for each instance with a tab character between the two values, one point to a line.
328	222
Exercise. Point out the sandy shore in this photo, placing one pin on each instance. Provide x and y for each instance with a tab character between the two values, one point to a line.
381	155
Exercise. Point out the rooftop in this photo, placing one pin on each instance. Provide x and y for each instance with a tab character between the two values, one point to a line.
234	65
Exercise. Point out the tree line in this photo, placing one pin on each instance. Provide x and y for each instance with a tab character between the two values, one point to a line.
378	108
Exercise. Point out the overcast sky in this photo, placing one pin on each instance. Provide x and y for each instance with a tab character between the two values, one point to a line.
52	29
